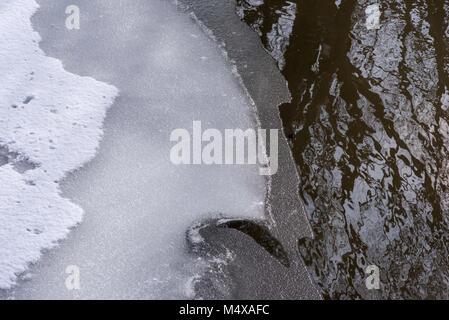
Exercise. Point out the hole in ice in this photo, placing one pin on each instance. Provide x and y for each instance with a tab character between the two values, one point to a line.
34	230
28	99
30	182
20	164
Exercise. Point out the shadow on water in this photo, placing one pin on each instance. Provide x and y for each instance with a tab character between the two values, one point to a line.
368	127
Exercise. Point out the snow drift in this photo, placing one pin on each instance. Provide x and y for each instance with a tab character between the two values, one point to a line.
51	121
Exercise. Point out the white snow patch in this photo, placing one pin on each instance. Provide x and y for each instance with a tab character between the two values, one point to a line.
52	119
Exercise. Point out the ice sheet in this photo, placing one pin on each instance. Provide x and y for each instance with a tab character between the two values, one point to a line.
138	205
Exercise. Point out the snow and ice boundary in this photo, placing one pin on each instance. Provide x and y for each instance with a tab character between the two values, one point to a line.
50	119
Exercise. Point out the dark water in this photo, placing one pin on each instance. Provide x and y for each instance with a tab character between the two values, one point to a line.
368	127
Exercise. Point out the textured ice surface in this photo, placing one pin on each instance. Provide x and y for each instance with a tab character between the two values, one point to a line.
138	205
50	124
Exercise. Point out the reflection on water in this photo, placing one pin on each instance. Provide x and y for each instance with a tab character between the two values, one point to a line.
368	126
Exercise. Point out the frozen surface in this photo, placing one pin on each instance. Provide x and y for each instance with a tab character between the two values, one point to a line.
50	124
138	205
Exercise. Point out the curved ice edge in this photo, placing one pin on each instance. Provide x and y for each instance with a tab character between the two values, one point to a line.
294	209
233	66
258	230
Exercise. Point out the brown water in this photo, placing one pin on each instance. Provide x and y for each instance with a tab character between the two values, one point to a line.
368	127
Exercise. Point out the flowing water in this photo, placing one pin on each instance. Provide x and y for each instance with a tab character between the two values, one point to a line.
368	127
